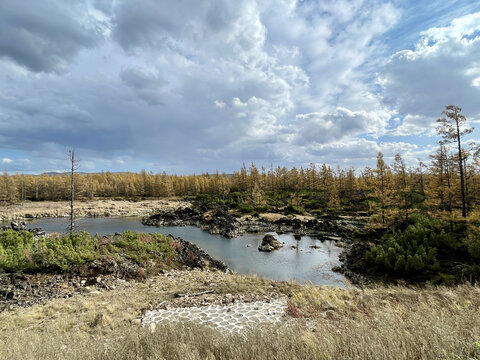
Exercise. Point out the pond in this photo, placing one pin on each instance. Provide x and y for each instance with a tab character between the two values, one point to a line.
241	254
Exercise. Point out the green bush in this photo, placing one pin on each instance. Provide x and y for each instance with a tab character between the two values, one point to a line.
292	209
16	250
19	251
411	251
142	247
473	245
246	209
262	208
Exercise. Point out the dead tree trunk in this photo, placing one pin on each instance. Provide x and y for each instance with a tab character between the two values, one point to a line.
73	164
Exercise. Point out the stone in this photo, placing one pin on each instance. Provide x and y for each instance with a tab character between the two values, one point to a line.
269	243
101	320
228	318
18	226
152	327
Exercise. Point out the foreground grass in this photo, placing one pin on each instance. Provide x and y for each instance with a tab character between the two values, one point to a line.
325	323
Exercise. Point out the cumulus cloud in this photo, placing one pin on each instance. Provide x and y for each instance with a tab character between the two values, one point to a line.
443	69
7	161
331	127
44	36
200	85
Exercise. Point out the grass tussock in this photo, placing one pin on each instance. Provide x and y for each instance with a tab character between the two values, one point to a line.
323	323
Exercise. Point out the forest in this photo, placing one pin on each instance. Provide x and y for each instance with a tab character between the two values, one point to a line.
428	213
445	184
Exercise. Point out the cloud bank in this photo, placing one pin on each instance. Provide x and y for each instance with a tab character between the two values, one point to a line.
188	86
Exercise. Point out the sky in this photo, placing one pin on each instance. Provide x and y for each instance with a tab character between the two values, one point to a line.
188	86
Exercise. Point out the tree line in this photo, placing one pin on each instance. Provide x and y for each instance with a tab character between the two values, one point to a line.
448	183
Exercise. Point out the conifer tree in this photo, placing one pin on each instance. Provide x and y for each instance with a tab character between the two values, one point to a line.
400	170
381	177
453	128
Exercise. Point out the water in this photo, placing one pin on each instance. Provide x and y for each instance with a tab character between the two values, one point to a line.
302	264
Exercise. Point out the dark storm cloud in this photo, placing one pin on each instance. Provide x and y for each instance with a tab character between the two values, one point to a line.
145	84
43	35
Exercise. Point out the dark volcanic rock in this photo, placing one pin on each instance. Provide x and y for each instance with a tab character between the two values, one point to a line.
22	226
353	263
191	255
18	226
37	231
269	243
173	217
217	219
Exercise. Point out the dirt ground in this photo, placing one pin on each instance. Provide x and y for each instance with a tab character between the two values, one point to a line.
26	210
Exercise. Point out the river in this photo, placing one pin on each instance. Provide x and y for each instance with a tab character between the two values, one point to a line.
303	264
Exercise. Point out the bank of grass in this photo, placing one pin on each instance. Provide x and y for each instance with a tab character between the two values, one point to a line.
376	323
20	251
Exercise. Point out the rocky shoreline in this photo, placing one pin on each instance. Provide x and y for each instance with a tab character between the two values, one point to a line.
22	226
219	220
23	290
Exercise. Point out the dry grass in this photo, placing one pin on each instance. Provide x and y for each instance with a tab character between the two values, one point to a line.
86	208
378	323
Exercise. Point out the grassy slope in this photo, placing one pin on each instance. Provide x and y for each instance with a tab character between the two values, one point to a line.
379	323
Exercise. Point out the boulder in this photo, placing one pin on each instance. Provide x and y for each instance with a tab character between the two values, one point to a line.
18	226
269	243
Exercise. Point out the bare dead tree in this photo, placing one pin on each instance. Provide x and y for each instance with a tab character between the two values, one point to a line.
74	166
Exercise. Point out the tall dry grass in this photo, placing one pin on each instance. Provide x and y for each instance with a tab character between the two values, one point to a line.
323	323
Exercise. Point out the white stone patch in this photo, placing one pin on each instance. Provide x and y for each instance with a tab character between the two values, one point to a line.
233	317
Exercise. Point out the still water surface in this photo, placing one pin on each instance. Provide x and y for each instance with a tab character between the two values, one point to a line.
301	264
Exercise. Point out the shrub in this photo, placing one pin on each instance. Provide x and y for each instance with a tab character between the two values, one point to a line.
292	209
142	247
19	251
246	209
411	251
473	245
262	208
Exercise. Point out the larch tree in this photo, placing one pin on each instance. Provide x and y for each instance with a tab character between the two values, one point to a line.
380	171
452	128
438	169
400	170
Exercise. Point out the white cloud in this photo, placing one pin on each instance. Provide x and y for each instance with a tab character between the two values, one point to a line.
200	85
219	104
443	69
7	161
333	127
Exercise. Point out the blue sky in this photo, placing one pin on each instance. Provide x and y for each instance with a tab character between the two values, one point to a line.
188	86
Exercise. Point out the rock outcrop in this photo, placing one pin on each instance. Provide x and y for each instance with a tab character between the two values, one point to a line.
194	257
353	263
269	243
218	219
22	226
